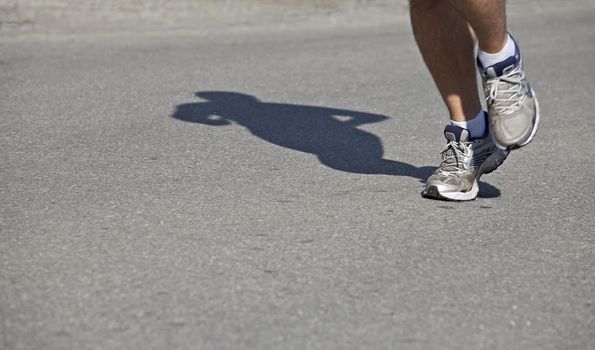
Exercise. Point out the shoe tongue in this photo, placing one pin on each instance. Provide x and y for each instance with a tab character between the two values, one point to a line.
501	68
456	133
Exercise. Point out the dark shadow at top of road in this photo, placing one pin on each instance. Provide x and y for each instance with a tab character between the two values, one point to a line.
330	134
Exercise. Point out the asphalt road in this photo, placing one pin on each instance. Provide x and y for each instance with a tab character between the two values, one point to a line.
261	190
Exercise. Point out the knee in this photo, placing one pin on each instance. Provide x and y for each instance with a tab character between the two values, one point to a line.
423	5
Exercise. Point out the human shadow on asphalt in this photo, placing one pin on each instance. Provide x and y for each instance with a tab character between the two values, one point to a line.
330	134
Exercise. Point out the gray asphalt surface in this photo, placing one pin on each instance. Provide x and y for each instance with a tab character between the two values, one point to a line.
262	190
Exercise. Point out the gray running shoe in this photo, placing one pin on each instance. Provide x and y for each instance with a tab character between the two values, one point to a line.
464	160
513	109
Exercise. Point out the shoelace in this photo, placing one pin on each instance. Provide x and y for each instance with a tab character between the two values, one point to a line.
506	92
453	155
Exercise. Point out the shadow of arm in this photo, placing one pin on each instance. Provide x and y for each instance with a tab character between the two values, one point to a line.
354	118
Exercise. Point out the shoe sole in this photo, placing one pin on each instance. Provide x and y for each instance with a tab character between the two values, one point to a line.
434	193
537	117
482	171
533	131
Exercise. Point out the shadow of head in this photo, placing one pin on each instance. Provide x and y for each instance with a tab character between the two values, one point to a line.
215	107
226	97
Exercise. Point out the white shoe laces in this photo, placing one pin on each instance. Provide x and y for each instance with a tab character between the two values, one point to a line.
507	92
453	155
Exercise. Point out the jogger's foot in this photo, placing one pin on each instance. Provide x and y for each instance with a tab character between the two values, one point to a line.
464	160
513	109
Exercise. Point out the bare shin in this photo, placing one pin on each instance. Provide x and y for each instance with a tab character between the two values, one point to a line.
446	43
488	19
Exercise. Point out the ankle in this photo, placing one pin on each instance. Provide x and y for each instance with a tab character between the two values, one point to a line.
487	59
477	126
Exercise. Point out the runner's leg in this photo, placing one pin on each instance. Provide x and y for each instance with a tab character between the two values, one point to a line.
488	20
446	44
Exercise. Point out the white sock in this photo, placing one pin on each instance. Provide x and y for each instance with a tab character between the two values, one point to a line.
476	126
490	59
